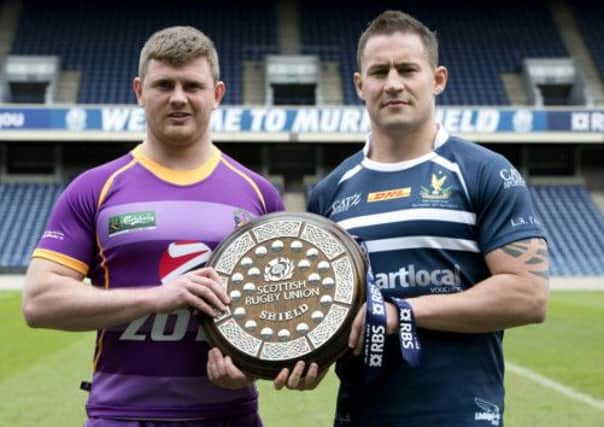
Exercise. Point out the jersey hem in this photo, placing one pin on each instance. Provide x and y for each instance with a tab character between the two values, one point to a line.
233	409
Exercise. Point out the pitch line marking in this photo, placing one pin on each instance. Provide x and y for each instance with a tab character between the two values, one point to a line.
560	388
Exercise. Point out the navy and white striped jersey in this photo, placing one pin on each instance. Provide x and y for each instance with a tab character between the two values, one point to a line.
428	224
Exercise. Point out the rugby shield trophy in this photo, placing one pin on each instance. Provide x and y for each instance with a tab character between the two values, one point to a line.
296	282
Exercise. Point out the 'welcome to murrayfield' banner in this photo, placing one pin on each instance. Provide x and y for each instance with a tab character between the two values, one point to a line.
321	121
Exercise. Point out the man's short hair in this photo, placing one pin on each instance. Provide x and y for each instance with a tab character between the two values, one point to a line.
177	46
395	21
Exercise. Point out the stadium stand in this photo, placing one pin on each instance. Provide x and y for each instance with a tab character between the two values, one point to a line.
24	209
102	40
477	46
575	229
591	16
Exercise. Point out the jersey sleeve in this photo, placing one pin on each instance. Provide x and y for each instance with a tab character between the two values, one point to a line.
505	211
272	199
69	236
313	205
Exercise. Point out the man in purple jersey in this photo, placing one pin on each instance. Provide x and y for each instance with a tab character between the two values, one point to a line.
141	228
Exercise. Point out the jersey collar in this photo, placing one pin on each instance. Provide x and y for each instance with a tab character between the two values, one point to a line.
441	138
178	177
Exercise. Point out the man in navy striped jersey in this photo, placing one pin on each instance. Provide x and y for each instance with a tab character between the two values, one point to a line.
455	246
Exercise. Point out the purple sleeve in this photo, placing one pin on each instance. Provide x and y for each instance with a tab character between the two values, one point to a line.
69	237
272	199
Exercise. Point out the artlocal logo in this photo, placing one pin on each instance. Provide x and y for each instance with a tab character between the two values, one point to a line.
279	269
490	412
396	193
409	276
511	178
131	221
436	192
182	256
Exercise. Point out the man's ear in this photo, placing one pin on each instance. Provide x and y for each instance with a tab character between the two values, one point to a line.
358	84
441	75
137	86
219	91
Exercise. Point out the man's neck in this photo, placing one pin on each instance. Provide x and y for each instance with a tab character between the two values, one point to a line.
178	157
401	146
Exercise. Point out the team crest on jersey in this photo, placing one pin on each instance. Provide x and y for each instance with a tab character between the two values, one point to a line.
241	217
395	193
182	256
437	190
131	221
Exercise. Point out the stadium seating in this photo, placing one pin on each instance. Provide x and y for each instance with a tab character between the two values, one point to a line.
574	227
24	209
573	224
103	39
478	42
590	15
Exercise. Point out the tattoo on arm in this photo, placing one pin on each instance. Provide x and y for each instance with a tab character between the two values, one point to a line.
533	253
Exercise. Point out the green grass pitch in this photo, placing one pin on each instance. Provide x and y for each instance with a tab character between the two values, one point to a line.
40	372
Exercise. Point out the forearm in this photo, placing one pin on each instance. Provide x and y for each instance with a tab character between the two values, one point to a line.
68	304
499	302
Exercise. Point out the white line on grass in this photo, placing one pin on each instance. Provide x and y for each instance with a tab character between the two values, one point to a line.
560	388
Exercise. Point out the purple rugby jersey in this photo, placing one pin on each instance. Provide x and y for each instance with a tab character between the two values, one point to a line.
134	223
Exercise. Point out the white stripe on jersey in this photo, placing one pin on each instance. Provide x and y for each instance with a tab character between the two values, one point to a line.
453	167
401	215
350	173
424	242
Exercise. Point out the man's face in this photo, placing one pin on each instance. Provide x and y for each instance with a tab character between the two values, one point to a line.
178	101
398	83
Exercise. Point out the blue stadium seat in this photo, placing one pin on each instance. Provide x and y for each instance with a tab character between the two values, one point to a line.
24	209
103	39
478	42
590	15
574	227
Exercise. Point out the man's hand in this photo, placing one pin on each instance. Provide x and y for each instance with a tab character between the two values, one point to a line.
357	332
295	380
223	372
200	289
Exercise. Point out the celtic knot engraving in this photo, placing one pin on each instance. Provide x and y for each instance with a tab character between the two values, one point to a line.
238	338
329	326
285	350
322	240
230	257
277	229
344	280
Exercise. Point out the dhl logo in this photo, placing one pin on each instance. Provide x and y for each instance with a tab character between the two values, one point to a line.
397	193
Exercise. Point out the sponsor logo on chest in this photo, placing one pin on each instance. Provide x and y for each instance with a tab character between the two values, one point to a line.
344	204
395	193
131	221
410	276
